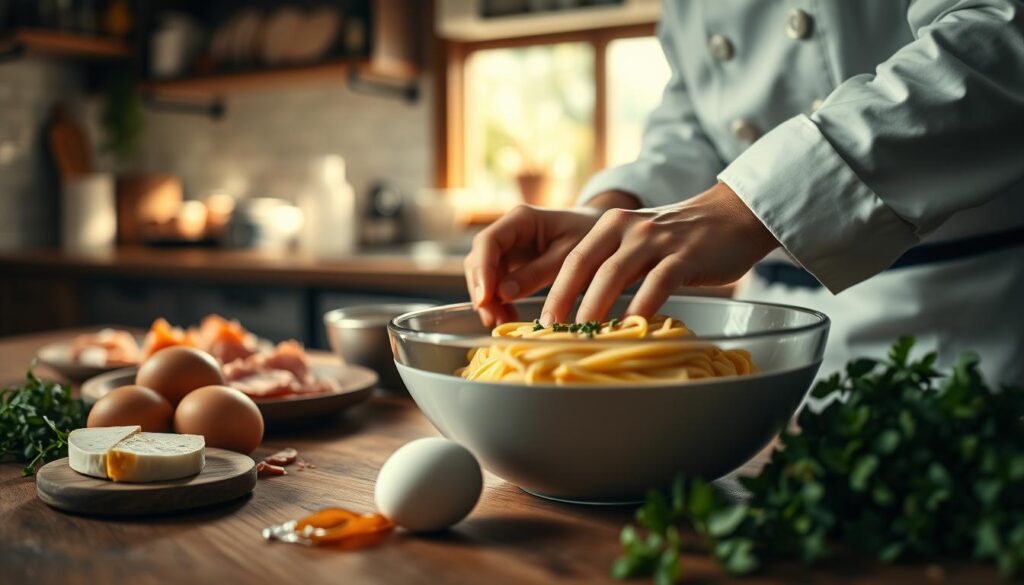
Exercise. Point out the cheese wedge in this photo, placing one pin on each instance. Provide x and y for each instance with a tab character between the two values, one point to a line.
88	448
156	457
127	454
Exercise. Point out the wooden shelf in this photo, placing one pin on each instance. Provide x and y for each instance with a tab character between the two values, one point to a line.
221	84
62	44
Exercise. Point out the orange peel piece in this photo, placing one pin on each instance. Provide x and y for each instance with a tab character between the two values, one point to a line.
336	527
326	519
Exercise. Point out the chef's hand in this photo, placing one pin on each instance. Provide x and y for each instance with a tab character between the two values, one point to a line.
711	239
522	252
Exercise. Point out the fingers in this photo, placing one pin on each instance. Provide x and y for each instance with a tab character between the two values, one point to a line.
661	282
493	314
581	264
504	313
622	269
487	316
533	275
483	264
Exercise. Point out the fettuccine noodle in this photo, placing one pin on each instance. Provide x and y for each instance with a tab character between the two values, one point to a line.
580	361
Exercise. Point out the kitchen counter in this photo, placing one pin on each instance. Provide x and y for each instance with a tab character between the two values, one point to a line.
433	272
511	537
277	295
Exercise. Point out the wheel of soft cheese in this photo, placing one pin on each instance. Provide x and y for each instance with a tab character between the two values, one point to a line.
125	454
88	448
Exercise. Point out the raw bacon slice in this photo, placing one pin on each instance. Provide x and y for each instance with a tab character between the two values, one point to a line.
283	457
289	355
225	340
282	372
264	469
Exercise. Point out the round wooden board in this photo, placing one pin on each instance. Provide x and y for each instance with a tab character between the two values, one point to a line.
226	476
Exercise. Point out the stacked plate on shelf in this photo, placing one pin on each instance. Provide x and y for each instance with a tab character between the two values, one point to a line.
283	36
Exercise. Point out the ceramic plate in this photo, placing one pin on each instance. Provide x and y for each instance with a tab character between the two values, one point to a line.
57	357
355	384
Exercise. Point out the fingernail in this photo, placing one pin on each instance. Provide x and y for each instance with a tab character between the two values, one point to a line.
546	319
478	294
478	278
509	289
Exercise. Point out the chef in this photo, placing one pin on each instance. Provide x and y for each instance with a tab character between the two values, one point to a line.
865	159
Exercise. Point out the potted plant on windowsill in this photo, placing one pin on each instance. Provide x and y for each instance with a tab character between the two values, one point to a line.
534	184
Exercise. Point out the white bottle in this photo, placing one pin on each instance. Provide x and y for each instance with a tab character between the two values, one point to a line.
329	208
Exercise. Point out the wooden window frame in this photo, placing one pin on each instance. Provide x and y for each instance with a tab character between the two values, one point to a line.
449	92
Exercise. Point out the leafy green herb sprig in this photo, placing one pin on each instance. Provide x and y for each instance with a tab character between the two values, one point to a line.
903	464
35	420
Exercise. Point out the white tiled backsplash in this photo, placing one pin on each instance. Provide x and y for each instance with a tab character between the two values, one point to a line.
28	186
267	139
264	142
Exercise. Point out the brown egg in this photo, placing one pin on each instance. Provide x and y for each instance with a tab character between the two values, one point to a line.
226	417
133	405
176	371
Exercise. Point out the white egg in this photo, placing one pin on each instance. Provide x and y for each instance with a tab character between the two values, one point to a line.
428	485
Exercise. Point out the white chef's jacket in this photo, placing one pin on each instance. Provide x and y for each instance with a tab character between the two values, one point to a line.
856	131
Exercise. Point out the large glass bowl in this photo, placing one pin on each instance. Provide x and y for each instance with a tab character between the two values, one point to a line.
609	444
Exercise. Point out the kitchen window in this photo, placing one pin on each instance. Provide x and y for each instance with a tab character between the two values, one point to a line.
637	75
532	119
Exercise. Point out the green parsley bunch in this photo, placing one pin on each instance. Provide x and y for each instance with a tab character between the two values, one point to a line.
35	419
902	463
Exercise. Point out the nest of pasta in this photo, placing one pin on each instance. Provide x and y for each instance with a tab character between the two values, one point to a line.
571	356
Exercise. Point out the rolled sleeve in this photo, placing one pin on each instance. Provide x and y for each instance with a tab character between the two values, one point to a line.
832	223
890	157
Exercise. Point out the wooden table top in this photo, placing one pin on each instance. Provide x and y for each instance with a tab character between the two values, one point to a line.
436	274
511	537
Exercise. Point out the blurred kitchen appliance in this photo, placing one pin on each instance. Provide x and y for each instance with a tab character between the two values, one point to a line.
382	223
433	216
264	223
329	208
88	217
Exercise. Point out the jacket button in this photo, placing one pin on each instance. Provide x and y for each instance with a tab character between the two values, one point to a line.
745	131
816	104
720	47
798	24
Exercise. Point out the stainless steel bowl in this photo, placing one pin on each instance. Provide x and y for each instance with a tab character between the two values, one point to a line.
359	335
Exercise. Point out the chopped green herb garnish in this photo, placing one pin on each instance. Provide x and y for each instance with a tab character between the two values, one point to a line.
588	328
903	463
